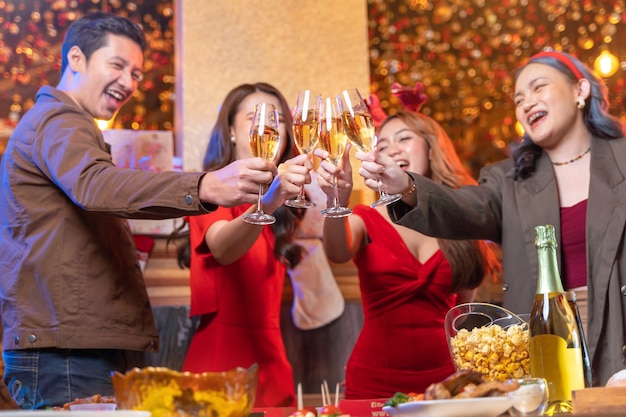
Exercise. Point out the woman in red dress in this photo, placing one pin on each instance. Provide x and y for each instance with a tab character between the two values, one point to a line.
408	280
237	268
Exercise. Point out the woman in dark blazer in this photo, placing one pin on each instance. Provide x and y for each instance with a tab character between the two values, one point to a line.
568	171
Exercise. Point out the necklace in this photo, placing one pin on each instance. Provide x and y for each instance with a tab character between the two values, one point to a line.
573	159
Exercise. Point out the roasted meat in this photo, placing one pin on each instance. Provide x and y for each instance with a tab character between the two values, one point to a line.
467	384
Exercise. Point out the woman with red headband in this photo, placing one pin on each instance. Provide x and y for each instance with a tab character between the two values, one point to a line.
568	171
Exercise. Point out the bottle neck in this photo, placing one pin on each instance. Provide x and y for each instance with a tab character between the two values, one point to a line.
549	280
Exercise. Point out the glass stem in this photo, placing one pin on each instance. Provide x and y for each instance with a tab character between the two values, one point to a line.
259	203
381	190
302	196
335	192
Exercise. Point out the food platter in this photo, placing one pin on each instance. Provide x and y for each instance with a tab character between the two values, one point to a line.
468	407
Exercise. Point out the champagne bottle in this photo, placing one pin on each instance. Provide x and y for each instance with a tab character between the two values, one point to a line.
555	341
571	299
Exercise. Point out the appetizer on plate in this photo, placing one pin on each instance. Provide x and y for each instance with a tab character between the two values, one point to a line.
94	399
329	411
462	384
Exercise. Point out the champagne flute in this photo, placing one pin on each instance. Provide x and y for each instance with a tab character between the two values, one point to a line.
264	143
333	139
360	130
306	123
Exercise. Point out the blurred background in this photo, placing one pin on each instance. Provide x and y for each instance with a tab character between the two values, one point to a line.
462	51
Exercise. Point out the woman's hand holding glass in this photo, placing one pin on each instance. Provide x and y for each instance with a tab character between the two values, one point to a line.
306	124
360	130
378	168
328	174
292	175
333	140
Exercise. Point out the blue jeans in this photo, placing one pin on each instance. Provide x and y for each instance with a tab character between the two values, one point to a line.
42	378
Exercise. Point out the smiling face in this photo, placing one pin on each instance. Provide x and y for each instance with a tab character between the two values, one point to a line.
242	122
102	85
545	104
407	148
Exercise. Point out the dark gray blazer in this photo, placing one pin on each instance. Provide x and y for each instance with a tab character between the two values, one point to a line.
506	212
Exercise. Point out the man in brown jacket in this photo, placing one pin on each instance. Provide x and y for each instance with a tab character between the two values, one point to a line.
72	297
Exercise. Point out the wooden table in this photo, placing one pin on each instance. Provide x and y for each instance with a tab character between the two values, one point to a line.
600	401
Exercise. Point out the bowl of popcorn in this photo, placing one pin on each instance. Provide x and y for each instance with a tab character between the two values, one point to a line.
169	393
488	339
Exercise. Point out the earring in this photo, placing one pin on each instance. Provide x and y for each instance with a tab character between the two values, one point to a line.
232	139
580	103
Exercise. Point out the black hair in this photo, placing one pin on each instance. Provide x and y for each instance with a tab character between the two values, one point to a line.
90	32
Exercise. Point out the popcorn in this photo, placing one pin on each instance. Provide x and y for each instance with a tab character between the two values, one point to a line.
496	353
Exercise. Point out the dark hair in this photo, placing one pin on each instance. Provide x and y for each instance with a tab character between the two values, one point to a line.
221	152
470	260
597	118
90	32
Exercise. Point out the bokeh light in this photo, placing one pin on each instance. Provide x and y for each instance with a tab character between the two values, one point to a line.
465	52
30	47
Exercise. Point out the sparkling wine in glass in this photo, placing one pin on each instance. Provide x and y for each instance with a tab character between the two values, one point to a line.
264	143
306	133
360	130
333	139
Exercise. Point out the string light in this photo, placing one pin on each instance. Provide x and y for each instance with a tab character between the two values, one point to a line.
462	51
466	51
105	124
606	64
30	46
519	129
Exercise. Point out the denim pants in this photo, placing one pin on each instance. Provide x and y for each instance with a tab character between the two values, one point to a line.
42	378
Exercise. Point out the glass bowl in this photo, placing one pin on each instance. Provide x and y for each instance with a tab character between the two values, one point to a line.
168	393
488	339
530	399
